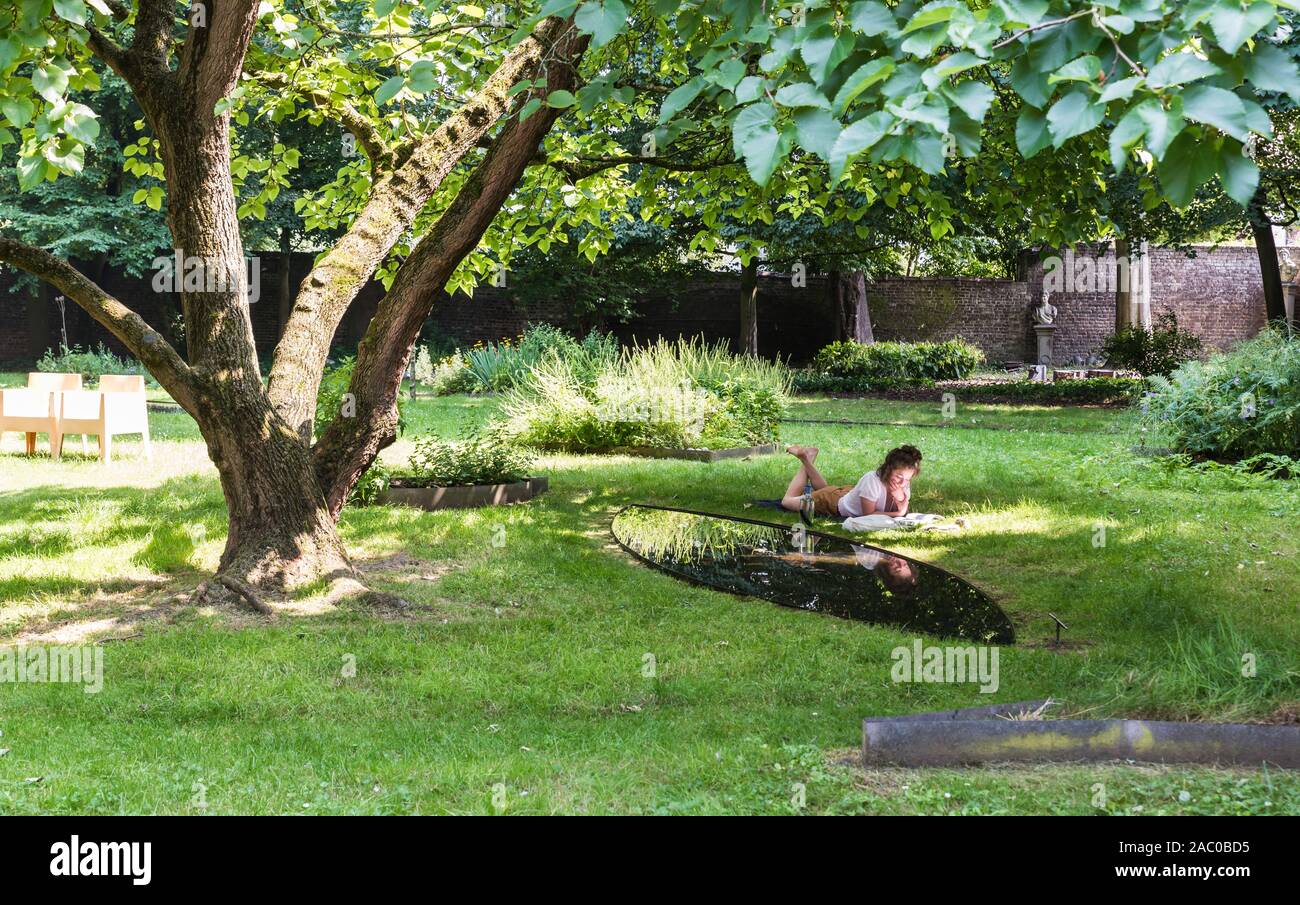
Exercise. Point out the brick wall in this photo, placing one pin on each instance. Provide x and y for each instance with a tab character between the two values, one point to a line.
1217	293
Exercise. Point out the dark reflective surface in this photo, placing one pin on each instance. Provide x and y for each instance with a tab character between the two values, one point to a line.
809	570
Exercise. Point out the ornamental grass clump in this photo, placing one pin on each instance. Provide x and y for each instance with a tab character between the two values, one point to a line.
667	394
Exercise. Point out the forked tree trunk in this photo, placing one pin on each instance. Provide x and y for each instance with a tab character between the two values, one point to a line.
283	495
747	343
281	535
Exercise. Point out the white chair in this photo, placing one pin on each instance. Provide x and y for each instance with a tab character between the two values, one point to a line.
52	382
117	407
31	412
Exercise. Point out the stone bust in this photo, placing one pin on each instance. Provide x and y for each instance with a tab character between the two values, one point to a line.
1045	314
1288	262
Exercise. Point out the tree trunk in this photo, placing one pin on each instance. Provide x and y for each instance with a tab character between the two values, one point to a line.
747	343
286	281
282	536
283	495
1124	285
1262	230
851	308
349	445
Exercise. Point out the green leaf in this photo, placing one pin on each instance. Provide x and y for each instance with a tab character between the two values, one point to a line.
561	99
603	21
862	78
857	138
802	94
1029	83
755	138
680	98
925	152
1031	132
1179	69
1124	136
973	98
422	78
822	51
1084	69
871	18
1219	108
816	131
534	104
71	10
31	171
1238	173
81	124
1233	26
10	48
389	89
1073	115
18	110
1188	165
1269	69
950	65
1122	24
1121	90
50	81
730	73
1161	126
1024	12
930	14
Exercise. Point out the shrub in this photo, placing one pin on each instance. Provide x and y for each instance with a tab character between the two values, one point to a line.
333	400
1159	349
330	397
855	366
452	375
481	459
422	371
667	394
1241	403
370	486
495	366
91	364
1089	391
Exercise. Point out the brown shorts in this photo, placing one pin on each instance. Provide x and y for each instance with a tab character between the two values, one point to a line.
827	500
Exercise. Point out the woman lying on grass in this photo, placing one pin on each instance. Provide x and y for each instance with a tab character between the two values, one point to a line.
885	491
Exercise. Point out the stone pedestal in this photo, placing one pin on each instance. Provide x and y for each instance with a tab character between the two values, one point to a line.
1044	334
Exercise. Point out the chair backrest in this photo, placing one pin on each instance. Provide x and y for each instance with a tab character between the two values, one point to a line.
80	405
51	381
25	404
121	383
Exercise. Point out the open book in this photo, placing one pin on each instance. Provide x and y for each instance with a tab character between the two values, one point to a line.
911	522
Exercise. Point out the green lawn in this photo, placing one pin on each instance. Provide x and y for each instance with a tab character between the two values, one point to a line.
525	667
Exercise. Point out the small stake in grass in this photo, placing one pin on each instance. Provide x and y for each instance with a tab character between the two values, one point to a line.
1059	625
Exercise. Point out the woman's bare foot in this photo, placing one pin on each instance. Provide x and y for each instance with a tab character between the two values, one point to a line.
803	453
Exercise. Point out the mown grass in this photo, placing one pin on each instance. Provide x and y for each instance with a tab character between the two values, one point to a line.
525	676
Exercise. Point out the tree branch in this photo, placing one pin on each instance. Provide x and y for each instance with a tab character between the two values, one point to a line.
363	130
144	342
394	203
213	53
152	43
349	445
590	166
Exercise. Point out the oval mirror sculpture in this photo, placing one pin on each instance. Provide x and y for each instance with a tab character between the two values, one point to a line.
809	570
